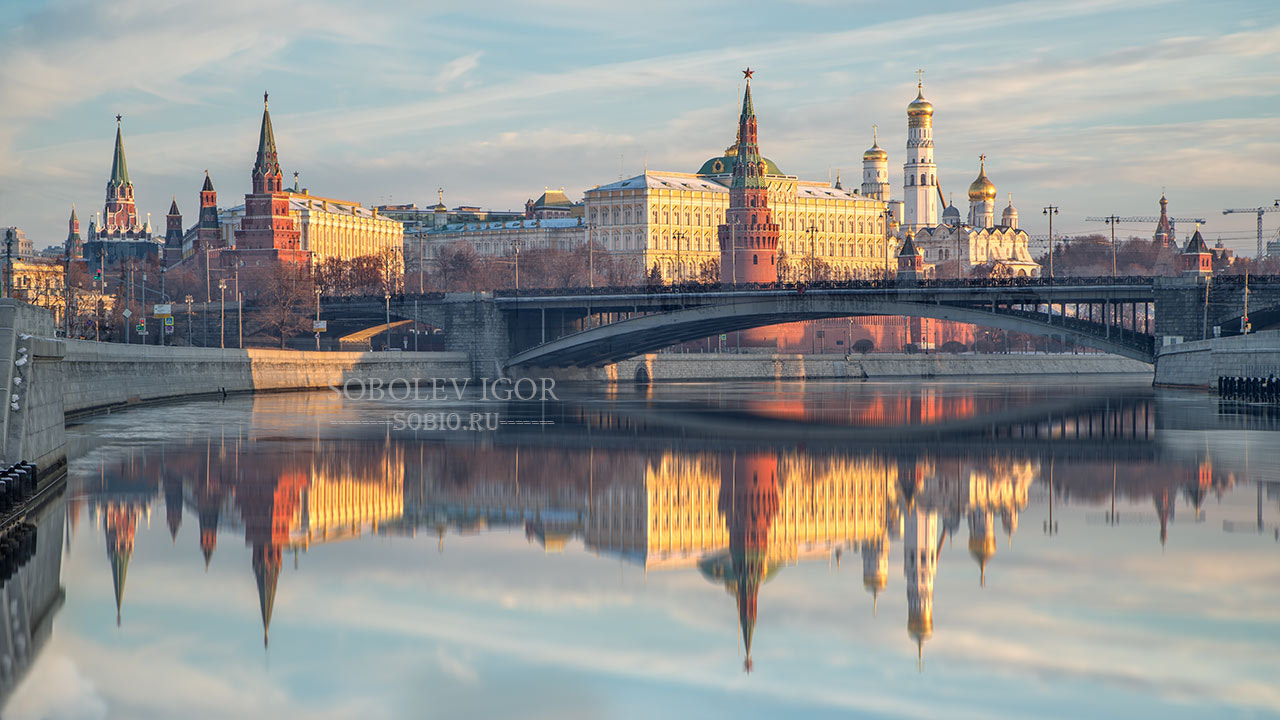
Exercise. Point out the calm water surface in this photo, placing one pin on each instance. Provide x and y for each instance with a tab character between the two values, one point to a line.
1064	548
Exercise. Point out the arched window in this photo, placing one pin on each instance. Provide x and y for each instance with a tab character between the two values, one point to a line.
666	217
655	216
923	179
686	218
911	180
755	259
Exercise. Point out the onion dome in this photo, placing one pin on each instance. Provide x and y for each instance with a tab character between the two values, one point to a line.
951	215
982	189
1009	217
920	107
875	153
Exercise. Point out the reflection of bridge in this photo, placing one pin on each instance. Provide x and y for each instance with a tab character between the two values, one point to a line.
590	328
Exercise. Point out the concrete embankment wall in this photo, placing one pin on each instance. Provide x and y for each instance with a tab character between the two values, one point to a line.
1200	363
664	366
97	376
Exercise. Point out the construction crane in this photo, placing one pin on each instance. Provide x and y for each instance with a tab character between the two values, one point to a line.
1262	249
1112	220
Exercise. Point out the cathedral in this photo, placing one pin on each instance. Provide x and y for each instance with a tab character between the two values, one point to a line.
976	246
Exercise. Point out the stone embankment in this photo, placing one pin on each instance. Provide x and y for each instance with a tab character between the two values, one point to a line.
758	366
97	376
1199	364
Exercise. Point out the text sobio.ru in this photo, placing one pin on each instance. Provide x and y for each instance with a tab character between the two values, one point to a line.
431	422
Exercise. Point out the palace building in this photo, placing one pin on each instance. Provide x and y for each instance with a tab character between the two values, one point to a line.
675	220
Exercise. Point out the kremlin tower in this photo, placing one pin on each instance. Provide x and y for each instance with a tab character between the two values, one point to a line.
749	502
74	247
920	565
749	236
269	233
119	235
1164	236
208	235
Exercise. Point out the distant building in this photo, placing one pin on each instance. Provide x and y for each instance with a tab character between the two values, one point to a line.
40	281
23	246
552	204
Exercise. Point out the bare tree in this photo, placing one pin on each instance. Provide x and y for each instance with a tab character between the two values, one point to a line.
286	295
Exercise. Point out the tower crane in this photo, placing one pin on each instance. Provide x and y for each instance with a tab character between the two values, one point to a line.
1112	220
1259	210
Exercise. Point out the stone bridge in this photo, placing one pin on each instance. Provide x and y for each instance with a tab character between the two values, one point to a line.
1132	317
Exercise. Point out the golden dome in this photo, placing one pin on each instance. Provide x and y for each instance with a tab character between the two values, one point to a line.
982	188
875	153
920	107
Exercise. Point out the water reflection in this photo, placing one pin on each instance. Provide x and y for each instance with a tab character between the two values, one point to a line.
735	511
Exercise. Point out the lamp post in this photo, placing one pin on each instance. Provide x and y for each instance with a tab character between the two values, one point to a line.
1050	211
591	256
8	262
1112	220
733	251
387	296
190	341
317	328
813	248
679	237
516	244
886	215
222	314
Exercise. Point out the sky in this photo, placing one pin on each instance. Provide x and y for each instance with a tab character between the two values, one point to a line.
1093	106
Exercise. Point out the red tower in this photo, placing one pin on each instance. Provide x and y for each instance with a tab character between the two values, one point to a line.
74	247
1164	229
120	214
208	236
748	237
1197	259
268	234
749	501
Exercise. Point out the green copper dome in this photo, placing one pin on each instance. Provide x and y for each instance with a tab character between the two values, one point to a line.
723	165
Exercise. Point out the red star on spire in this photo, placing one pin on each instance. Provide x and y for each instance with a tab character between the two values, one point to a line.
748	73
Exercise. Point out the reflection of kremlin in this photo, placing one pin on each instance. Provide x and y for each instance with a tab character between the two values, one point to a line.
281	501
738	517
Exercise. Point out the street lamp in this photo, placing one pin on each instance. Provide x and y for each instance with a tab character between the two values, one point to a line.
1050	211
1112	220
679	237
222	314
813	247
516	244
190	341
317	328
386	294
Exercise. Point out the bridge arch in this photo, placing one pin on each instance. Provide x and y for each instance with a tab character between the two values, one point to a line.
620	340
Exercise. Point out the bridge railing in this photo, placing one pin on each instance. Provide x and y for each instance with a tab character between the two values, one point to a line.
1127	337
875	284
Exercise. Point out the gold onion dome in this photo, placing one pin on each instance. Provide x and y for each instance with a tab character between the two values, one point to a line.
920	107
875	152
982	188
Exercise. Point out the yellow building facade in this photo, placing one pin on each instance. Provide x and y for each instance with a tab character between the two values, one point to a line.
671	220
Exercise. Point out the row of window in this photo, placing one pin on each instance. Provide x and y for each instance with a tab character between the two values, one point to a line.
666	216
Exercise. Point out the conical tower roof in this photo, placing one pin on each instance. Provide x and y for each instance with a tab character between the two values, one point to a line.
119	168
266	162
173	206
266	570
909	247
208	184
1196	245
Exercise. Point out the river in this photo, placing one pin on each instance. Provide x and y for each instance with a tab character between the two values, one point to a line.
1068	547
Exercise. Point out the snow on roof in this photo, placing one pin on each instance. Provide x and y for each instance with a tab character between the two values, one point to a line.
549	223
670	181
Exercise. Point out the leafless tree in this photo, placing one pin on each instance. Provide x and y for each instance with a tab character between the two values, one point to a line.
286	293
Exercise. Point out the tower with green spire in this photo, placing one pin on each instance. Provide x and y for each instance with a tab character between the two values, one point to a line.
120	214
269	232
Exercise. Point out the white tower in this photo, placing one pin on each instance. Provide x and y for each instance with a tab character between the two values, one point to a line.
982	198
920	175
875	170
920	565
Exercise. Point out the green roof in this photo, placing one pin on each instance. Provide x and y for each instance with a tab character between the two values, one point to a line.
119	168
724	164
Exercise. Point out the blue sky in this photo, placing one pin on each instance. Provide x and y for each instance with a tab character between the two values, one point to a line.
1092	105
